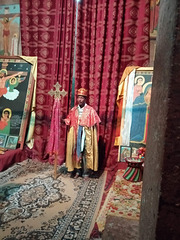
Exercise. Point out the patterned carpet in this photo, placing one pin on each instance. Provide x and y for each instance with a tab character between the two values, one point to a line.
35	206
123	200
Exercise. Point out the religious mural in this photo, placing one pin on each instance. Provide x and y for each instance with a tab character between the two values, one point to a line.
136	91
10	28
140	108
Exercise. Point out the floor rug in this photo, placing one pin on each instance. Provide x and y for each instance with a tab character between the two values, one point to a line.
33	205
123	200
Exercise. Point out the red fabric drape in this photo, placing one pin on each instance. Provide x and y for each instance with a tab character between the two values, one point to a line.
111	35
47	29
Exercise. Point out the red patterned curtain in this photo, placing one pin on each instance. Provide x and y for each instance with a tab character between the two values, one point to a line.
110	36
47	29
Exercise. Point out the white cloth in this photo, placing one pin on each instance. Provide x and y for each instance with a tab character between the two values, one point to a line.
128	110
14	46
80	111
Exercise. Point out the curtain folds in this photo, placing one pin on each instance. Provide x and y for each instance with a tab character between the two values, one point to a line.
110	36
47	29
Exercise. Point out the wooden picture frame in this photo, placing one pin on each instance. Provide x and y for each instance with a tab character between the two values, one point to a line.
134	152
16	89
3	138
124	151
11	142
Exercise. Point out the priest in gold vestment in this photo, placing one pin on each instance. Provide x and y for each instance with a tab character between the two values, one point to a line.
82	139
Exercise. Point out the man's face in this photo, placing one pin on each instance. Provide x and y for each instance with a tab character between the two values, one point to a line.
6	20
12	80
139	81
1	75
81	101
6	115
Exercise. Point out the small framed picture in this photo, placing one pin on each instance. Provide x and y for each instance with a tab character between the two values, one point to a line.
125	151
12	142
134	152
3	138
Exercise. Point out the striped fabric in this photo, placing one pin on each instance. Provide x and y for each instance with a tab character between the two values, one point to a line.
134	171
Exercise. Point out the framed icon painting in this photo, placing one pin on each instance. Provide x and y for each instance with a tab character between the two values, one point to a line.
125	151
3	138
16	89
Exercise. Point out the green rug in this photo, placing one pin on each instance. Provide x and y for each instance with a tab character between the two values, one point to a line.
33	205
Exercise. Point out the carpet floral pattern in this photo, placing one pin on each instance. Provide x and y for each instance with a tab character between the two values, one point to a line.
123	200
34	205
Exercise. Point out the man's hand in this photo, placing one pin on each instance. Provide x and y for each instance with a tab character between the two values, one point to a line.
62	120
